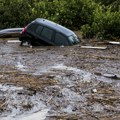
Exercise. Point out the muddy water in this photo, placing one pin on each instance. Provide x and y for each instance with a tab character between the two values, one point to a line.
58	83
19	101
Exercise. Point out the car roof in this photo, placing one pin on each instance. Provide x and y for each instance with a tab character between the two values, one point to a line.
55	26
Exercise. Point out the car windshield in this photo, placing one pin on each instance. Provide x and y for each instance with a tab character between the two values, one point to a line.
74	39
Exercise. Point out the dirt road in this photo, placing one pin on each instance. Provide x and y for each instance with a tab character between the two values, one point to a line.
70	82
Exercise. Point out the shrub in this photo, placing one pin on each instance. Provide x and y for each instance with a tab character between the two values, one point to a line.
106	24
14	13
94	18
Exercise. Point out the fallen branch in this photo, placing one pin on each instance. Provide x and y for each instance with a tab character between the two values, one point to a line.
1	106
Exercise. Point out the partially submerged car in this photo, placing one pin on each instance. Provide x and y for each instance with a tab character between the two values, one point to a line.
44	32
10	32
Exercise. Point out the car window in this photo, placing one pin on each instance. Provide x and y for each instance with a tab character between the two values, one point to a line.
60	39
47	33
39	29
32	27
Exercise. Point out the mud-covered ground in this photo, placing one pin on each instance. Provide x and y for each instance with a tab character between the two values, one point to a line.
70	83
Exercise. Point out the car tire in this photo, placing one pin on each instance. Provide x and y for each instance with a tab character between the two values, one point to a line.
24	41
29	42
21	44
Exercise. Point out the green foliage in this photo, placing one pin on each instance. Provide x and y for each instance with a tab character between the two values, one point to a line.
113	3
106	24
99	18
14	13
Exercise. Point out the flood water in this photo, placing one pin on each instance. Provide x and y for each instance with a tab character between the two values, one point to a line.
46	83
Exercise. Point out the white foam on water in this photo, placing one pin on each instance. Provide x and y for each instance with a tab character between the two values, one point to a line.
5	88
21	67
86	76
63	67
40	115
13	99
71	95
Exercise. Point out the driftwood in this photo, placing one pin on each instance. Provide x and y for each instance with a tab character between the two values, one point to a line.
93	47
114	43
13	41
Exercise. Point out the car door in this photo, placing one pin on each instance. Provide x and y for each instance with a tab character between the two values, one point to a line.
60	39
47	35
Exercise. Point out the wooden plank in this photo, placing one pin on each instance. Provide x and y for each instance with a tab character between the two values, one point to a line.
114	43
93	47
13	41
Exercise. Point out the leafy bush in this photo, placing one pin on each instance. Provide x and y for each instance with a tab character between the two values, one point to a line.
106	24
14	13
93	17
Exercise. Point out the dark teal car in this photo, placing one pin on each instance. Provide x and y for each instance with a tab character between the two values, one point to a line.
45	32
